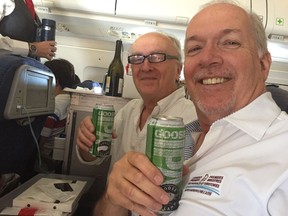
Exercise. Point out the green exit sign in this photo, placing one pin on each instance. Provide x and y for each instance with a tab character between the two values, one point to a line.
280	21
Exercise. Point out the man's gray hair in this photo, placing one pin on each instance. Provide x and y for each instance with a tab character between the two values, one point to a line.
175	43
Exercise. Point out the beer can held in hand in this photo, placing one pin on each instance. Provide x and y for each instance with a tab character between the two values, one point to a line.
164	147
103	121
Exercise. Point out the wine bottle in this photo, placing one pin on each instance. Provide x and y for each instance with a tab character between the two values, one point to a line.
113	82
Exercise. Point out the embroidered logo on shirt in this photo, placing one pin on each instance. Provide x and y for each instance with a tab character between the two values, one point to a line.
208	184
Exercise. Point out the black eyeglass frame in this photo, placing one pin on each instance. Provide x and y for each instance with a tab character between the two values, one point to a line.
166	57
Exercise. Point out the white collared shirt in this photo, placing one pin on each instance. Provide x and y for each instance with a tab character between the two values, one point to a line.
6	8
127	121
242	166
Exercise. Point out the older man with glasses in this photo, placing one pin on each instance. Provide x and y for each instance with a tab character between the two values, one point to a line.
155	60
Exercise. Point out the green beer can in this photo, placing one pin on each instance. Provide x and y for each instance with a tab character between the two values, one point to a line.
103	120
164	147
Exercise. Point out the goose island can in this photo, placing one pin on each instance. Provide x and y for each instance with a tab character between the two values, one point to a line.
103	121
164	147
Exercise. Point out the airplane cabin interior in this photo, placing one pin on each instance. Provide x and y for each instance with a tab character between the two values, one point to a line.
86	32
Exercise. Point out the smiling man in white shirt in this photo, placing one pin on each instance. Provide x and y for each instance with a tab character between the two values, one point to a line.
240	163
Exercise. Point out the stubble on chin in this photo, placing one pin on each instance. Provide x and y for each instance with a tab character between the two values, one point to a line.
214	110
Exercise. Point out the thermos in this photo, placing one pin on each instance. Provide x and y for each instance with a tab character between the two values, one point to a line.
48	30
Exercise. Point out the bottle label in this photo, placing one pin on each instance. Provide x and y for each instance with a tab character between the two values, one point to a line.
107	85
120	86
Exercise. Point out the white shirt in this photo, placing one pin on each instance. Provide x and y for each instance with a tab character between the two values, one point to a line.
62	101
242	166
126	123
8	45
6	8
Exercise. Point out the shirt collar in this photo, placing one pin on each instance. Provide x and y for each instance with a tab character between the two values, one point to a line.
165	103
255	118
171	99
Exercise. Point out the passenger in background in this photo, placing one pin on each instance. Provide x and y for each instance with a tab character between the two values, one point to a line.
54	126
239	166
77	81
18	31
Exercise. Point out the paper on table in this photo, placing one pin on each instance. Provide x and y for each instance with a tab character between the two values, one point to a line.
43	195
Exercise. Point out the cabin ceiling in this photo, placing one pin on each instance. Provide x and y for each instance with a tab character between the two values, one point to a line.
108	28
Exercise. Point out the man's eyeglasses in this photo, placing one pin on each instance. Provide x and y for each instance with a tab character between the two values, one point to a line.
152	58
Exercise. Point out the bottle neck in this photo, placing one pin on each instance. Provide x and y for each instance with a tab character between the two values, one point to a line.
118	49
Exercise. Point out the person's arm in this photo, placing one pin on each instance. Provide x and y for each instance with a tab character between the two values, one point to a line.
105	207
10	46
133	184
44	49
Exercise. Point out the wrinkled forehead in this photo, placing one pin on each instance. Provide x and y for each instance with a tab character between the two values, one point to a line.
150	43
222	14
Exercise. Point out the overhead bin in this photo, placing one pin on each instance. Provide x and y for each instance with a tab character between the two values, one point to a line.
176	12
272	12
91	6
98	20
172	11
277	20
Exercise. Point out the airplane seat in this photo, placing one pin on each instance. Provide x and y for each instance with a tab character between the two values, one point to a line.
18	149
279	95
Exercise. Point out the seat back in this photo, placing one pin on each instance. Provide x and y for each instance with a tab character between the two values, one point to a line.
17	142
279	95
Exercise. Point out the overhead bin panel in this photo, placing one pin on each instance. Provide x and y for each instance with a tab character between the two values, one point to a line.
173	11
160	14
278	20
260	7
91	6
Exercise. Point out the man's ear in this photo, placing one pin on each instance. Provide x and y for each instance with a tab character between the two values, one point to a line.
179	70
265	62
